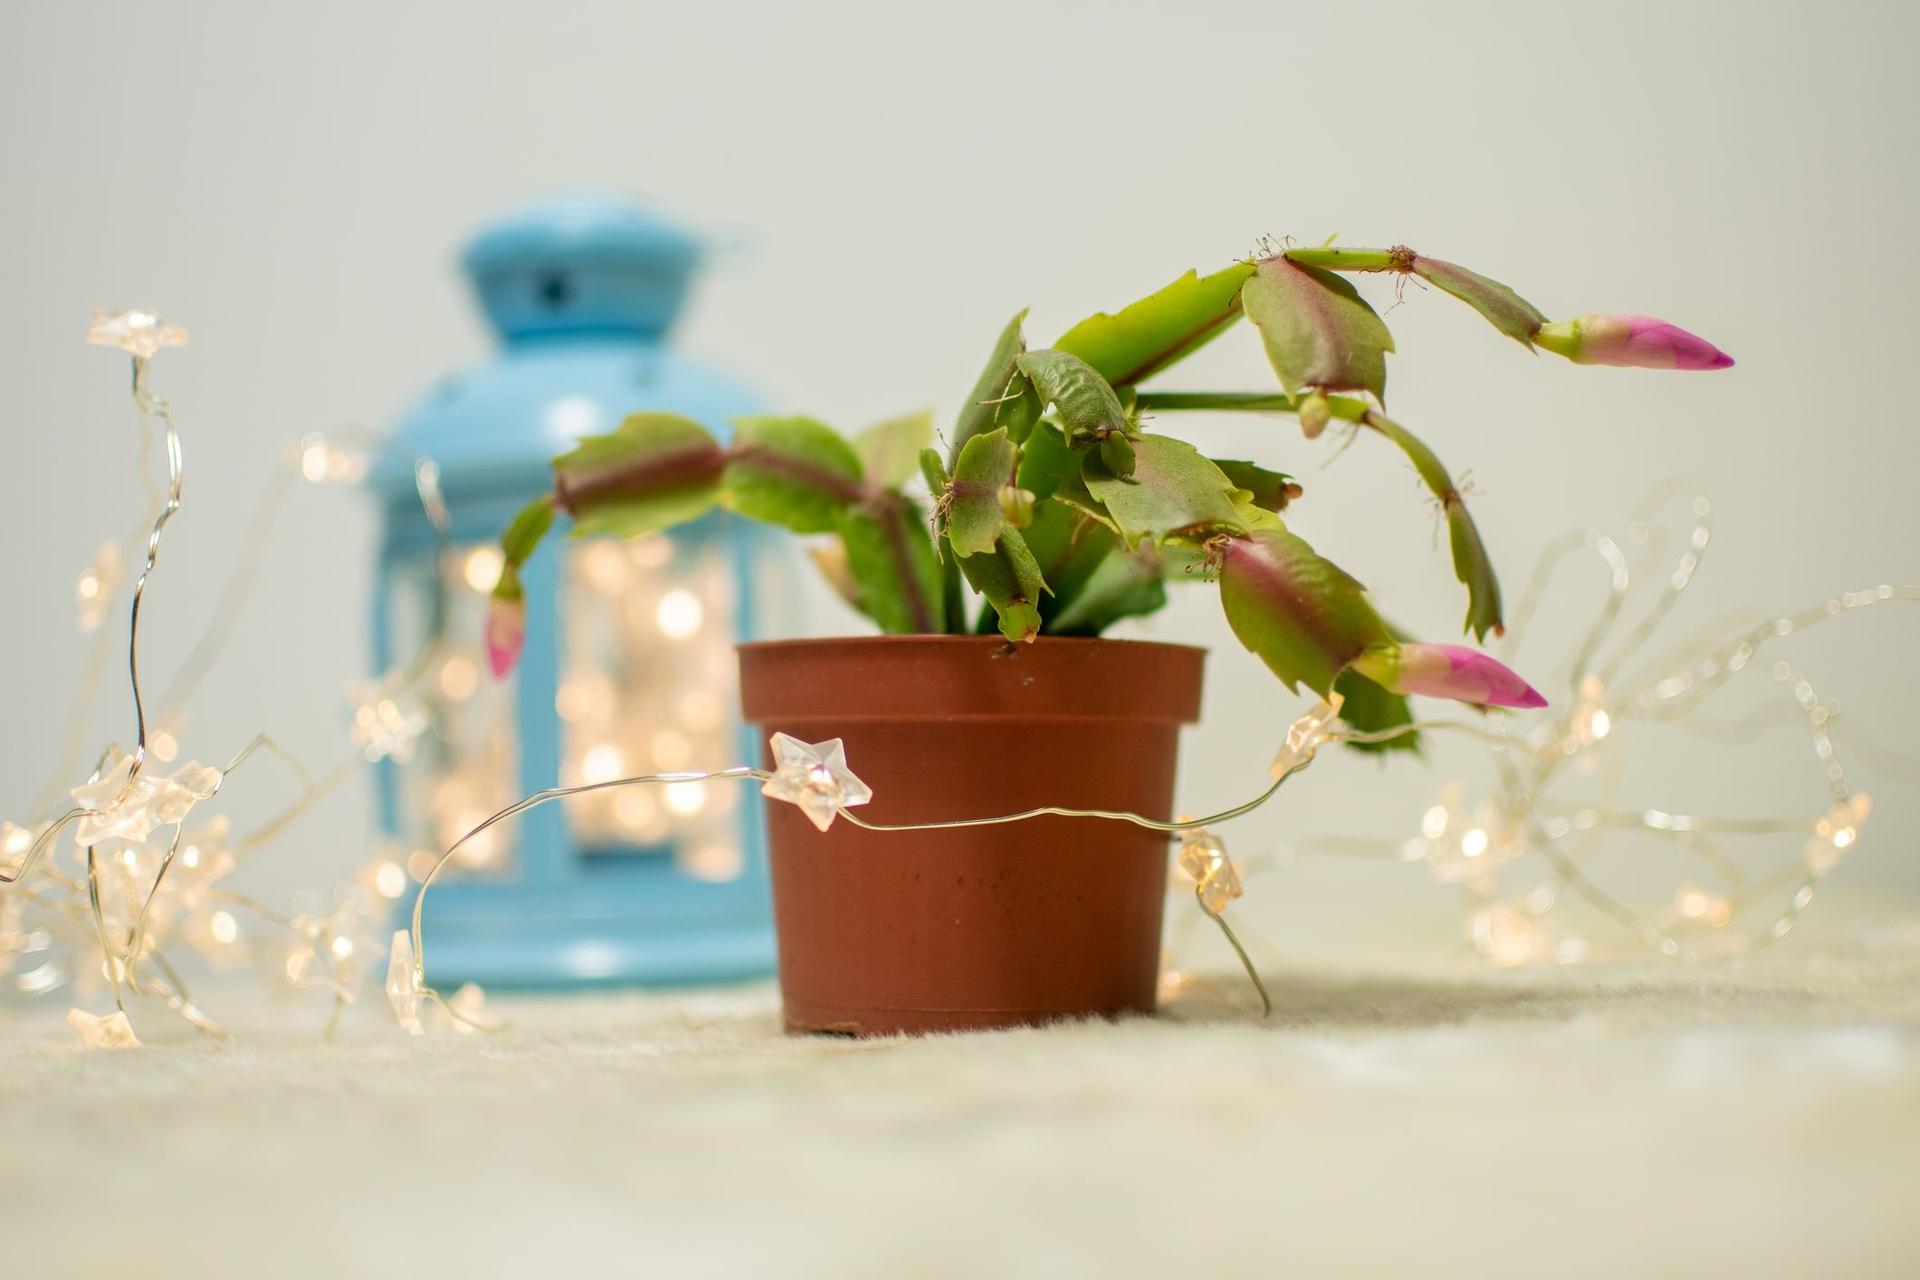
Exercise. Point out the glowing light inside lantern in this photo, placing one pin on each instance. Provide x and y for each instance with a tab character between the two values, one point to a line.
601	763
679	614
636	810
648	671
459	677
671	749
686	798
711	862
651	552
481	568
604	566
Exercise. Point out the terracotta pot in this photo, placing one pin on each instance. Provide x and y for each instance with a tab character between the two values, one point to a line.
994	926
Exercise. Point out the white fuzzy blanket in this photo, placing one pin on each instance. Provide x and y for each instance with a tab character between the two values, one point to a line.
1757	1119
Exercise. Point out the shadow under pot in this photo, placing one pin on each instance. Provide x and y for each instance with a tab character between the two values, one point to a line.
966	928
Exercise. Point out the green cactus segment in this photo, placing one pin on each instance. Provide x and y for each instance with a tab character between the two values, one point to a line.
1140	340
1089	408
898	580
654	471
1471	563
527	531
1504	309
1002	396
1318	331
1009	577
1298	612
1091	581
889	451
1173	492
1268	490
974	513
794	472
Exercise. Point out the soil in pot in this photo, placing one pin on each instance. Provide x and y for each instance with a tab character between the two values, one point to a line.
992	926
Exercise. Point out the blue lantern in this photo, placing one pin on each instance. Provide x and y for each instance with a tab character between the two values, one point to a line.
628	666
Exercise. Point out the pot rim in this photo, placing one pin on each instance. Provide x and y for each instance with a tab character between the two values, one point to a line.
946	639
965	678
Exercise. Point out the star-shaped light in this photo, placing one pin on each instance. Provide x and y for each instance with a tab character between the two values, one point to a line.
1203	856
814	775
405	990
140	333
103	1031
130	810
334	951
388	718
1304	737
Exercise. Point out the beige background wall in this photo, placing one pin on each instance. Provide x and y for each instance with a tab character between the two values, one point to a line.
894	181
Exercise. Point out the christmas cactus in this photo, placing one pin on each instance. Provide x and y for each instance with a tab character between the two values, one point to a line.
1055	504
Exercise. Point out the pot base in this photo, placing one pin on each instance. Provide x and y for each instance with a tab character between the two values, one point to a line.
813	1020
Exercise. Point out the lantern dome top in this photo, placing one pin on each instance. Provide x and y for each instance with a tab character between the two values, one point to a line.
582	289
581	263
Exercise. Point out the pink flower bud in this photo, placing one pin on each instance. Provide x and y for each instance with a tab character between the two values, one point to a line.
1640	342
506	633
1447	671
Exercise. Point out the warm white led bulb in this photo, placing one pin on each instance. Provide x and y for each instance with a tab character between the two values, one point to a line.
679	614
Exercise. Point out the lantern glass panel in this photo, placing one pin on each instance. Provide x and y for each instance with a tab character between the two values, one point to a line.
466	766
646	686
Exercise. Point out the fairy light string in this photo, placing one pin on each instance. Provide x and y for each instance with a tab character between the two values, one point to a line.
1527	816
146	879
815	778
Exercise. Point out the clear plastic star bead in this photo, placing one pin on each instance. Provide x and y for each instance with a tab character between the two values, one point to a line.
337	951
117	804
388	718
140	333
405	991
1203	856
103	1031
1304	737
814	775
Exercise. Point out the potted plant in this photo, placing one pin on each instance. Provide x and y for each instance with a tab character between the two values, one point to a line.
1061	503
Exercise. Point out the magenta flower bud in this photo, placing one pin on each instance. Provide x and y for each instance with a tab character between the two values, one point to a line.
1447	671
506	633
1640	342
